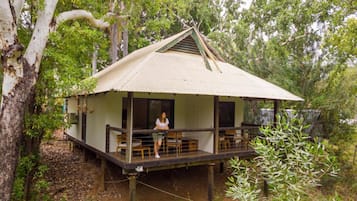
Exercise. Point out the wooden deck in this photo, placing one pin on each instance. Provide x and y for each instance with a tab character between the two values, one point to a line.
168	160
174	159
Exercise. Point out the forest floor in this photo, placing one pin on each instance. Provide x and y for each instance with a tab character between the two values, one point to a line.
70	178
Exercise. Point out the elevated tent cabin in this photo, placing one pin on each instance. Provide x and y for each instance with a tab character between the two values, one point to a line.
182	75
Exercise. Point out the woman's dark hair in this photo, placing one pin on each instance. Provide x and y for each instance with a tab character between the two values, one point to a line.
162	120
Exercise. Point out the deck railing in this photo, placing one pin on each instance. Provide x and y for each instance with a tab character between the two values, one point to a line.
181	142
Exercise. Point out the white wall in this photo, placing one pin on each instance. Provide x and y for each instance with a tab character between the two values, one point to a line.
199	114
191	111
103	109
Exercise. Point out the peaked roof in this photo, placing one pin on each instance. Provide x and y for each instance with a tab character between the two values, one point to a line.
184	64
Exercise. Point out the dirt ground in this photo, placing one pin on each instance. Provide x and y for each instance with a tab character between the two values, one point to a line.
73	179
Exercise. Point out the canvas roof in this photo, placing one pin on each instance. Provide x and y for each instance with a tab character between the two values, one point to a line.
184	64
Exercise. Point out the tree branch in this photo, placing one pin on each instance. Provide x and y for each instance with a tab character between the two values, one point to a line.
83	14
291	39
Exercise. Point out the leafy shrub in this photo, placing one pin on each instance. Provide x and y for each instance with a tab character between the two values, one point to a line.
288	160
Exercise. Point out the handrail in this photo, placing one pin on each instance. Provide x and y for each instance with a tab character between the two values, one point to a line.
123	130
238	128
149	131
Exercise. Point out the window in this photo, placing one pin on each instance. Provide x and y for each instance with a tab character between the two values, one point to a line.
146	111
226	114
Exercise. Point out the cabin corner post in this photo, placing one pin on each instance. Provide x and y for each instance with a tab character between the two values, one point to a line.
107	138
129	127
276	110
84	119
216	124
210	177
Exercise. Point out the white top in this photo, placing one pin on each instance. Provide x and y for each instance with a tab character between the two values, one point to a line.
161	125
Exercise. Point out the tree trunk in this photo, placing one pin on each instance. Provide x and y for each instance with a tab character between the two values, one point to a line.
125	38
94	59
20	75
20	72
11	127
113	32
114	42
124	24
31	146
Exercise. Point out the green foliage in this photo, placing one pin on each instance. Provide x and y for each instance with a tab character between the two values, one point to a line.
27	165
343	43
151	21
241	185
287	160
337	105
85	86
304	47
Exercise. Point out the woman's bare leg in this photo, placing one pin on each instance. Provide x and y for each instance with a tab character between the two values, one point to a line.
158	146
155	148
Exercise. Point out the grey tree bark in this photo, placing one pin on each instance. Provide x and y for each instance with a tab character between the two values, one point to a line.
124	24
21	68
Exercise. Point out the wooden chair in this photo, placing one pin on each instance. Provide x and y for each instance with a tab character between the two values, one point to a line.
231	136
174	139
245	138
136	145
237	139
224	142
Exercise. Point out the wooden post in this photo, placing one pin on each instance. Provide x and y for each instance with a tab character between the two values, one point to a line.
84	120
276	110
132	186
84	155
70	146
107	138
221	167
210	181
216	124
129	128
103	168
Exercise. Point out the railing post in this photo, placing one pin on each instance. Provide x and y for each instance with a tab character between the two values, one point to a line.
216	123
129	127
107	138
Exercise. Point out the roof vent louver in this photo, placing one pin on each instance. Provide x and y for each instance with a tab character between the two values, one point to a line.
191	42
186	45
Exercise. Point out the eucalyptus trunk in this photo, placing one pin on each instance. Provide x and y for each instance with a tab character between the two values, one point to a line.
20	72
